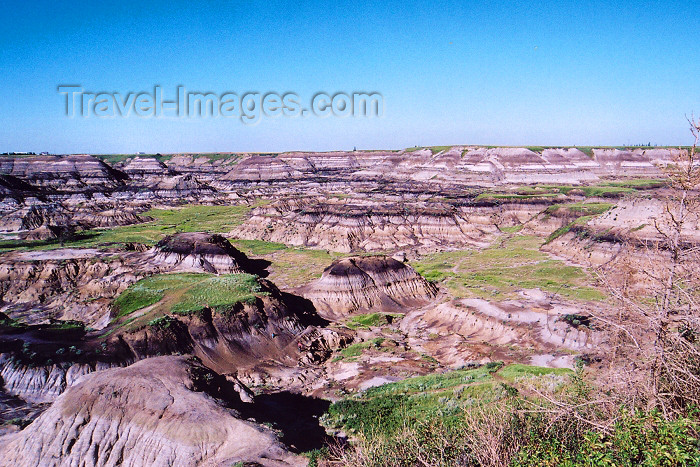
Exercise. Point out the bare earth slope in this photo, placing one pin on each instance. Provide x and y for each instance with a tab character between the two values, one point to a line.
374	282
156	412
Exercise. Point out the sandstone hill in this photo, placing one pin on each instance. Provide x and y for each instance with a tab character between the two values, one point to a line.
196	251
86	192
64	173
80	283
372	282
157	412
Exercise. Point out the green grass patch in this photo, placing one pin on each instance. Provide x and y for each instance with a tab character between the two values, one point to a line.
587	150
437	149
162	322
433	149
198	218
567	228
190	218
112	159
145	292
606	191
537	149
370	320
186	293
512	229
582	209
295	266
219	293
509	265
258	247
638	183
601	190
353	351
513	196
387	409
516	371
611	189
434	382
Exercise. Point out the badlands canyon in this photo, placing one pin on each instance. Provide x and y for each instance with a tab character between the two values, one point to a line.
251	309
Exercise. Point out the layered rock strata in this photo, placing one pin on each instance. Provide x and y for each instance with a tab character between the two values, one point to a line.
80	284
198	252
336	226
363	283
470	329
64	173
244	335
157	412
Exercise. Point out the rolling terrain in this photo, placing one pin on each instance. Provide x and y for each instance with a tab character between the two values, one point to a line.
238	309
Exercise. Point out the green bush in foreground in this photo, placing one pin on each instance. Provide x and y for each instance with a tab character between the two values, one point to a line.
638	439
478	417
530	440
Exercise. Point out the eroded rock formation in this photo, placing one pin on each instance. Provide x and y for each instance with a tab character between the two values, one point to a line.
65	284
244	335
80	284
157	412
372	282
39	384
468	329
337	225
198	252
64	173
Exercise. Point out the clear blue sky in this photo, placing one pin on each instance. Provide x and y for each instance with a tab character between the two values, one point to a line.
464	72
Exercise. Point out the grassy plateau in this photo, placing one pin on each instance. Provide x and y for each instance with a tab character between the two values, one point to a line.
183	293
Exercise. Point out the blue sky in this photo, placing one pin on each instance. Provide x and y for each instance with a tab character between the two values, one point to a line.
470	72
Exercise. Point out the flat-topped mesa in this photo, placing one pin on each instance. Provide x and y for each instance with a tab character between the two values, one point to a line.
364	283
240	334
74	173
47	217
352	225
145	166
150	413
181	186
472	165
198	252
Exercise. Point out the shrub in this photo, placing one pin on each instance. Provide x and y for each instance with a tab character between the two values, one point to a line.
162	322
